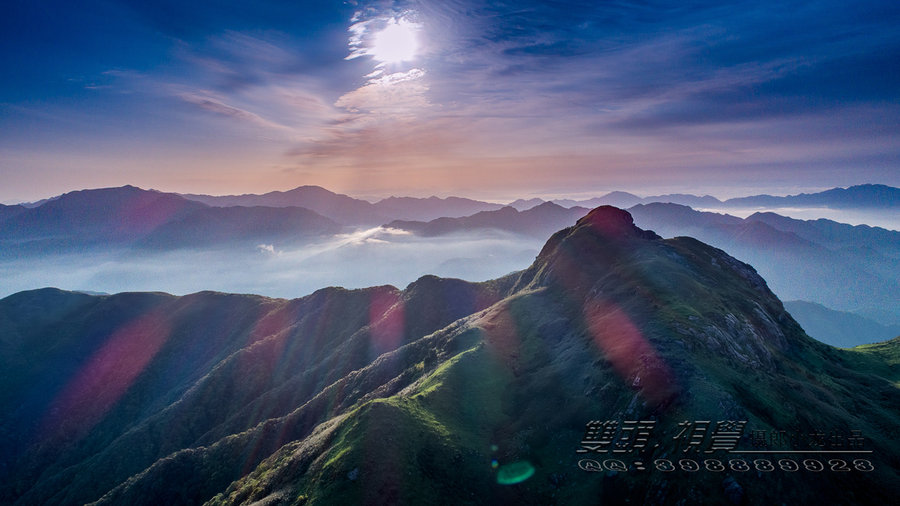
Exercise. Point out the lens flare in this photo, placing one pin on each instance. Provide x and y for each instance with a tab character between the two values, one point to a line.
517	472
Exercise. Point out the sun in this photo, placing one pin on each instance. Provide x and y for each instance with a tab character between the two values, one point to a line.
396	43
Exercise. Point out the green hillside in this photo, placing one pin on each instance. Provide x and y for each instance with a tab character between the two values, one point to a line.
448	392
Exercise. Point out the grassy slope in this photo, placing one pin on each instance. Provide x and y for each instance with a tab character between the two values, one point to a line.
516	381
230	368
534	378
881	358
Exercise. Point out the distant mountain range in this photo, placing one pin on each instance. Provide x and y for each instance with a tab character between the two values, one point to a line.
410	208
839	328
861	196
852	268
539	221
348	210
133	217
867	196
115	213
849	268
841	266
109	214
214	226
446	392
341	208
351	211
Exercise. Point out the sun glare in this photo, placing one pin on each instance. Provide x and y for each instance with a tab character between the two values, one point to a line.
395	43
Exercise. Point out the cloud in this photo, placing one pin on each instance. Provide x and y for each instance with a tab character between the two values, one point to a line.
267	248
400	93
368	236
234	61
394	231
610	90
367	258
405	142
215	106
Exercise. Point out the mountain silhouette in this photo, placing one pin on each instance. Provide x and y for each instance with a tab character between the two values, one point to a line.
235	225
859	196
341	208
410	208
539	221
866	196
107	214
127	217
351	211
7	212
526	204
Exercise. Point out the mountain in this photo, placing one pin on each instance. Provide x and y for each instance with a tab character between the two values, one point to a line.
625	200
685	200
675	219
877	196
524	205
839	328
129	217
410	208
448	392
340	208
93	217
833	234
103	387
867	196
840	266
884	356
539	221
350	211
107	213
38	203
7	212
616	199
237	225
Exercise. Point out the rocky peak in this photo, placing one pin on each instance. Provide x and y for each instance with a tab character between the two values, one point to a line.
612	222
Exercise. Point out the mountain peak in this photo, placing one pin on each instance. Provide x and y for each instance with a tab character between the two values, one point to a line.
575	253
548	205
599	229
612	222
311	189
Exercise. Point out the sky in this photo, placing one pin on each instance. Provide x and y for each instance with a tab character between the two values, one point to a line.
492	100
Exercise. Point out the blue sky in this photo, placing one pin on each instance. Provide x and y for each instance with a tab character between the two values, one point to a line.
494	100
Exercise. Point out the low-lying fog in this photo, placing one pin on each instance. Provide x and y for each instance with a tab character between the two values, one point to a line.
363	258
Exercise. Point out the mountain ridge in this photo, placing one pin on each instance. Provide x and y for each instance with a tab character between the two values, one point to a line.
538	221
848	268
839	328
276	479
133	217
864	196
332	397
350	210
340	207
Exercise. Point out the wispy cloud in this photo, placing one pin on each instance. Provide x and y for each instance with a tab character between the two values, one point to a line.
400	93
614	91
215	106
